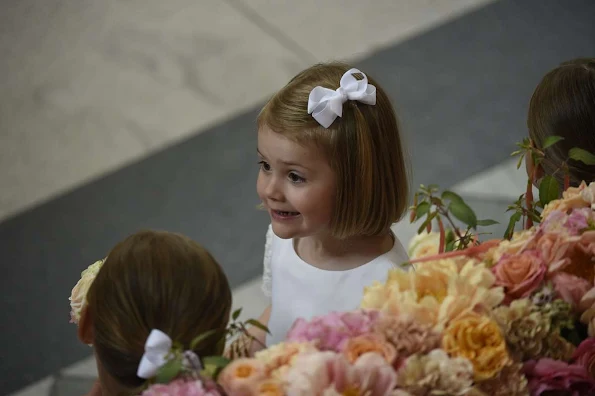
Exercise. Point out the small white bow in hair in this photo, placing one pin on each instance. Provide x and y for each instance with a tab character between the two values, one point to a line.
326	105
157	347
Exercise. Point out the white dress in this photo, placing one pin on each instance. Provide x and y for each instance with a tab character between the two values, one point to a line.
300	290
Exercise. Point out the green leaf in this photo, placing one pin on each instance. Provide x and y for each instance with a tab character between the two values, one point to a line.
450	246
195	342
257	324
463	212
578	154
216	361
168	371
236	314
548	190
511	224
486	222
421	210
213	365
451	196
427	221
551	140
433	187
520	162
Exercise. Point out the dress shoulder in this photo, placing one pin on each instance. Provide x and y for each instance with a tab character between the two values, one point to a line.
267	275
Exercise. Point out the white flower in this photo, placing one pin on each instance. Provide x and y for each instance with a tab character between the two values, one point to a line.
78	296
424	244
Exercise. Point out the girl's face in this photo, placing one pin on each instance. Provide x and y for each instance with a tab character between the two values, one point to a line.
296	185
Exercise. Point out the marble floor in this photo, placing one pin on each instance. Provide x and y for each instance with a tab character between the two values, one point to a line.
114	112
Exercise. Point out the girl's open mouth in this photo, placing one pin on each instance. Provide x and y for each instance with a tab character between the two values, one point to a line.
283	215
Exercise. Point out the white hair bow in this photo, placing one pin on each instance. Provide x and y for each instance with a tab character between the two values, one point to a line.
157	348
326	105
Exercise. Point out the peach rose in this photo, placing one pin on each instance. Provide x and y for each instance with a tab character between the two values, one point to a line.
480	340
241	376
520	274
369	343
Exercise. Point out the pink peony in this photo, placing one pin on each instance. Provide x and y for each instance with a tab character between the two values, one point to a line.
547	376
519	274
180	387
584	356
570	288
578	220
330	373
331	332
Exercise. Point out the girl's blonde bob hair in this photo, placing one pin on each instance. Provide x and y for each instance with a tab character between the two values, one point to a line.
363	147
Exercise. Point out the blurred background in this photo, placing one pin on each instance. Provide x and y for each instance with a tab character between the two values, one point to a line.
122	115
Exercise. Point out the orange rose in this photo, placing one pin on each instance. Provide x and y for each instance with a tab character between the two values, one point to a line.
241	376
374	343
269	388
520	274
480	340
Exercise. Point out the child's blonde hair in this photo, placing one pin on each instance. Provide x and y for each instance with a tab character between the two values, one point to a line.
155	280
563	104
363	147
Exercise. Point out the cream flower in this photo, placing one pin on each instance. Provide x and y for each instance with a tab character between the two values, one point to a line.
436	292
78	296
519	241
424	244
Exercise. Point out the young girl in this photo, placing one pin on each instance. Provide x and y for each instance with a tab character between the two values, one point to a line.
151	282
563	104
333	179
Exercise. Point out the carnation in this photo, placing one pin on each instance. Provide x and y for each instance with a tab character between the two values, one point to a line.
524	329
407	335
435	374
509	382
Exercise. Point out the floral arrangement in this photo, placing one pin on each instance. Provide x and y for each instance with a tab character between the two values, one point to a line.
509	317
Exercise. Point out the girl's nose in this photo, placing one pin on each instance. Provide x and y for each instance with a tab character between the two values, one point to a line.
273	190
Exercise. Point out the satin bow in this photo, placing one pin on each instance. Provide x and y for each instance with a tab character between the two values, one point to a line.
326	105
157	348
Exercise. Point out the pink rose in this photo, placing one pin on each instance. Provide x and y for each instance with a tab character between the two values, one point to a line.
519	274
180	387
547	376
570	288
584	355
330	332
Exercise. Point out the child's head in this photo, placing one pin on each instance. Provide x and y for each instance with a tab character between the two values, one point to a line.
347	179
153	280
563	104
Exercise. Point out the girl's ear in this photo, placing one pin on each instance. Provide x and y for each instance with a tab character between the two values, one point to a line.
85	328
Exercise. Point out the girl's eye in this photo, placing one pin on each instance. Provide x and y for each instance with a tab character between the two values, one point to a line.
295	178
264	166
